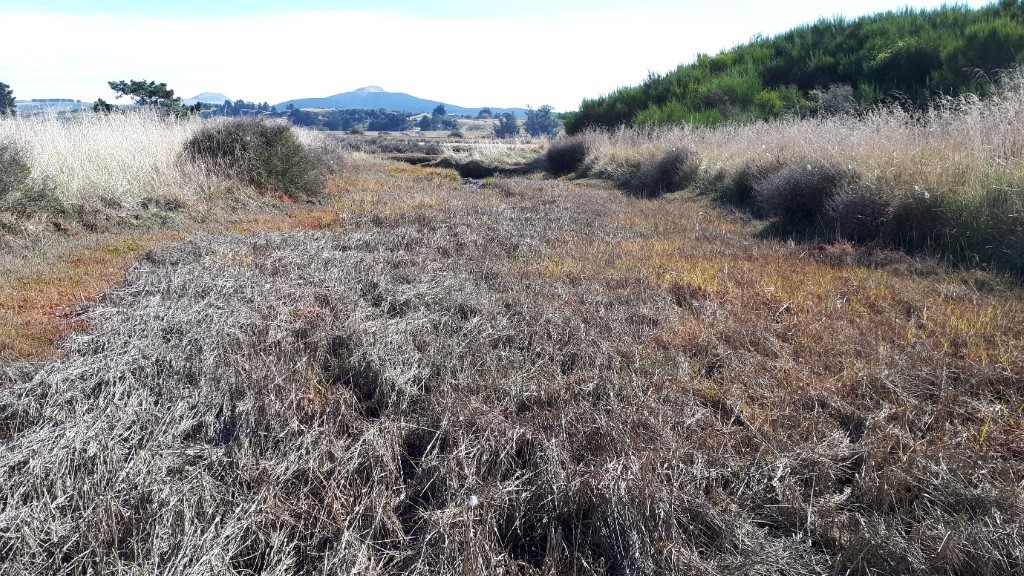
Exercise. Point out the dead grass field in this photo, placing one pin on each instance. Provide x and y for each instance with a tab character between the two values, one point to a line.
418	376
948	181
102	190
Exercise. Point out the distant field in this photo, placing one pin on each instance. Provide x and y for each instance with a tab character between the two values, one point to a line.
29	108
410	372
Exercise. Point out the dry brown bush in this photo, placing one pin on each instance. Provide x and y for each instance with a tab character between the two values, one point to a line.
859	211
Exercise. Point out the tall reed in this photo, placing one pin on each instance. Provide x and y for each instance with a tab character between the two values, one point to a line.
957	168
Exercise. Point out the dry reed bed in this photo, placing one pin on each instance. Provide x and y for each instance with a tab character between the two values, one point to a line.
959	146
122	157
536	377
510	151
947	181
128	158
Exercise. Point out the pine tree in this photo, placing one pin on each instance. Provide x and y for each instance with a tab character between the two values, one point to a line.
7	105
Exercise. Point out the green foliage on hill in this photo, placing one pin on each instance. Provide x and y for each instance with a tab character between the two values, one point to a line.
907	55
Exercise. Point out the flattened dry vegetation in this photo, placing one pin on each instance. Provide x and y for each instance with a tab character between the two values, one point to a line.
82	196
532	377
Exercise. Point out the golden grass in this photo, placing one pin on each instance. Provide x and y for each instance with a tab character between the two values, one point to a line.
961	146
126	157
820	323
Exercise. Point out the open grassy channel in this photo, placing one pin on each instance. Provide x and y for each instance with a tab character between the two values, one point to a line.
533	376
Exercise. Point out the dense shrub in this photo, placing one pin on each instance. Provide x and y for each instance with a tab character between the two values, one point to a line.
673	170
916	221
798	193
859	211
39	200
263	154
1004	227
739	188
14	169
987	227
833	66
20	196
565	155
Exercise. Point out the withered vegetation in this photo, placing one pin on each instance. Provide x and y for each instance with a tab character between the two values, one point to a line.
524	377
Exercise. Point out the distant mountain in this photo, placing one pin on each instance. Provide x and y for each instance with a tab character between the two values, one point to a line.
206	98
375	97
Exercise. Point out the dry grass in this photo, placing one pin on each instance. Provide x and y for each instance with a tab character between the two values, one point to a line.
89	193
533	377
127	157
502	152
950	180
958	147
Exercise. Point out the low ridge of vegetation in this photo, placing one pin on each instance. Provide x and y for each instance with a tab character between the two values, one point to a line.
831	66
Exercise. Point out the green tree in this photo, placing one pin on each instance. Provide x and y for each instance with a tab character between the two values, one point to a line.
7	105
485	114
151	94
101	105
425	123
439	111
543	122
507	126
144	93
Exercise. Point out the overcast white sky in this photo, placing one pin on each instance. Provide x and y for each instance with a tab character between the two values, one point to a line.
531	52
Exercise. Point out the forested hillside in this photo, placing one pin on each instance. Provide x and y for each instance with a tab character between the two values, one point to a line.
833	65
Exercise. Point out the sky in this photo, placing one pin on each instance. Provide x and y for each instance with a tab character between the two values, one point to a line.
467	53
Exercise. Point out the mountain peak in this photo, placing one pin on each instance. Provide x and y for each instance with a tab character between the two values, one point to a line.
375	97
206	98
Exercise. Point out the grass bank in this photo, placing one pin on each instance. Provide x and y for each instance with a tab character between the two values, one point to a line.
948	181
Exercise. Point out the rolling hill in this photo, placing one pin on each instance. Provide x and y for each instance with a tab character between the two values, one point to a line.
833	65
375	97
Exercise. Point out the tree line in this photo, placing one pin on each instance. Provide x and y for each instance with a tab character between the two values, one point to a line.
156	95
